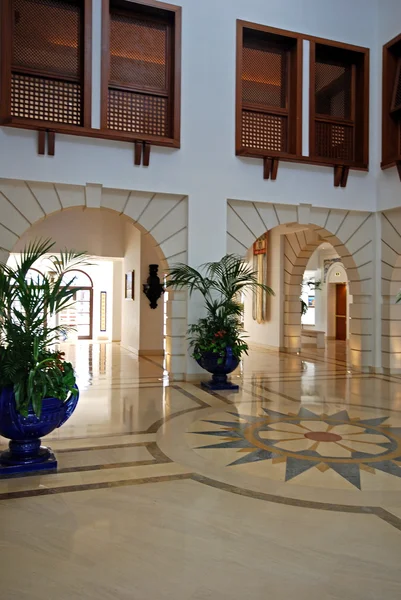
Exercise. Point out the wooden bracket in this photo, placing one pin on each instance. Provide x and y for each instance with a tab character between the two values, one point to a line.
146	154
340	176
138	154
270	168
398	165
51	142
142	154
41	142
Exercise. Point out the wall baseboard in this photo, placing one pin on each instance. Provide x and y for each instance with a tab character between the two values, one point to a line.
150	352
264	347
142	352
129	348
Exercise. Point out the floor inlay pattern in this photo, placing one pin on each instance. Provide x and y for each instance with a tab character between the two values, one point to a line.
292	485
306	440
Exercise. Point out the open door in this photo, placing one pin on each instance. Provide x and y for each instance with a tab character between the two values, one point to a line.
341	311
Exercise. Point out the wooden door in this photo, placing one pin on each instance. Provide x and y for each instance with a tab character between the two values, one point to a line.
341	311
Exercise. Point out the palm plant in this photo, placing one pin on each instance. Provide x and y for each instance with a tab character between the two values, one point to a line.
221	284
312	285
28	360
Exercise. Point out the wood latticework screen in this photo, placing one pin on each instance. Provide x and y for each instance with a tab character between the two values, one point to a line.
265	82
391	134
139	75
334	119
396	100
339	104
46	73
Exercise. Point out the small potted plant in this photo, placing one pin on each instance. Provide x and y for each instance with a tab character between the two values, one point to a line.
217	339
38	391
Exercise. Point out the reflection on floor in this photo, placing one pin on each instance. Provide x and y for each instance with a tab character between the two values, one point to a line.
291	486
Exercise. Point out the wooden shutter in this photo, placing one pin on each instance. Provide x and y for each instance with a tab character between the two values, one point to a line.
267	87
338	105
396	99
391	103
334	123
46	66
142	88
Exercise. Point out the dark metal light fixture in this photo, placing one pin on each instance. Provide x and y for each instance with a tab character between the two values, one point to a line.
153	289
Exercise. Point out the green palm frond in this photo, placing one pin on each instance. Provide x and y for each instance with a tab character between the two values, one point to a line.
27	359
221	284
68	260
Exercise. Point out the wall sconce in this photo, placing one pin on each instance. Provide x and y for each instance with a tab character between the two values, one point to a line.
153	289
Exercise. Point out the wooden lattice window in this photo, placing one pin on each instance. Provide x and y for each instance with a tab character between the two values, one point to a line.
339	104
391	134
46	75
268	91
141	69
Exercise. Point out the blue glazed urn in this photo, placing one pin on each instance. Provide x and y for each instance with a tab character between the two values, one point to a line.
25	453
210	362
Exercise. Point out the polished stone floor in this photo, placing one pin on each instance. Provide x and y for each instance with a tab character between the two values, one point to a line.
289	489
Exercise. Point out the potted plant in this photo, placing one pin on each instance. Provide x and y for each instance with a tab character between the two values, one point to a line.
217	339
38	391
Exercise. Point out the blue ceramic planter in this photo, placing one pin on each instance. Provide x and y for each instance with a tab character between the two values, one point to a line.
219	381
25	453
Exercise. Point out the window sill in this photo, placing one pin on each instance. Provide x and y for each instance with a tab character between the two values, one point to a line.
308	160
387	164
105	134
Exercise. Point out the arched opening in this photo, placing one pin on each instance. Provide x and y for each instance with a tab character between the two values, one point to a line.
110	305
125	231
325	301
294	234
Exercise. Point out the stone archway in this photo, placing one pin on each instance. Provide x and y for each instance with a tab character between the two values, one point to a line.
390	286
164	216
349	232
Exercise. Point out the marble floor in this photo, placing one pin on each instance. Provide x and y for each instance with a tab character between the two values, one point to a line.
290	488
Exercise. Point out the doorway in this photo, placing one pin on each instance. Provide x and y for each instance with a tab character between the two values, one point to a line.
80	315
341	311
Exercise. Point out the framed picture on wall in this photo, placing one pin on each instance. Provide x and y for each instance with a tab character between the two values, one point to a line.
130	285
311	301
103	308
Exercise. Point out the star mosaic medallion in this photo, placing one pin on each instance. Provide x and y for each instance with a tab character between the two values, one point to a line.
307	440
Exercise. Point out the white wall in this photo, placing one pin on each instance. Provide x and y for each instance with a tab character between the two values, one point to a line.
130	309
270	333
152	319
141	326
206	167
117	300
98	232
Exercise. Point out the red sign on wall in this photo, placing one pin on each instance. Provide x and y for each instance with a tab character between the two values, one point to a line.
260	246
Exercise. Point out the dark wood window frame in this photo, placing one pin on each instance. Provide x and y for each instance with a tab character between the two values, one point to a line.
292	45
6	45
271	159
173	77
391	112
357	122
86	130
